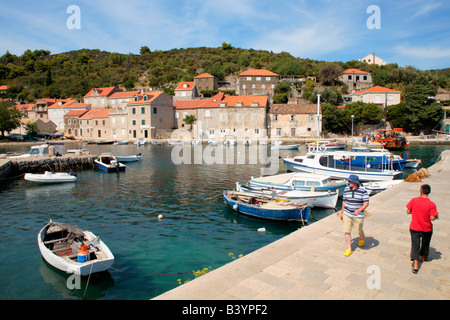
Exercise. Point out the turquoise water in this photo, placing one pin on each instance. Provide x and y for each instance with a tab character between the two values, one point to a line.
198	231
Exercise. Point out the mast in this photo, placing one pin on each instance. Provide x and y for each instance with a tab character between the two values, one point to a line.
318	121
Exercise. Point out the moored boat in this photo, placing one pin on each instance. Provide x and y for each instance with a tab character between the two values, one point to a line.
107	162
137	157
280	146
266	208
325	199
300	181
51	177
141	142
378	186
61	245
338	165
326	145
118	143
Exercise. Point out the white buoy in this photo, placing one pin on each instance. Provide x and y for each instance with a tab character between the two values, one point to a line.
262	230
160	217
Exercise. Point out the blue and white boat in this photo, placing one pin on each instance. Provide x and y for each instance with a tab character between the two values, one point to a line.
378	159
338	165
301	181
266	208
107	162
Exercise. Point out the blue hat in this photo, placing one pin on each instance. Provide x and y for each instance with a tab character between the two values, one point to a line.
353	178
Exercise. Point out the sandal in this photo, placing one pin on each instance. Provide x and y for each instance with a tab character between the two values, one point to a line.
347	253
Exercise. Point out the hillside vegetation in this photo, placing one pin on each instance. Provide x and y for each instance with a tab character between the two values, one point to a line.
38	74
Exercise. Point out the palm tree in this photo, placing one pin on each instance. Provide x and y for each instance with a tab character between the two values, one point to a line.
189	119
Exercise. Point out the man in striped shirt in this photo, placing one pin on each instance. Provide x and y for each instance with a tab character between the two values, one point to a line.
355	201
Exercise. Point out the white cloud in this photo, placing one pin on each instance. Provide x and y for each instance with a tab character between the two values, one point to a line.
423	52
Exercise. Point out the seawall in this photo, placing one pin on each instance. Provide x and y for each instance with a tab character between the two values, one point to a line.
310	263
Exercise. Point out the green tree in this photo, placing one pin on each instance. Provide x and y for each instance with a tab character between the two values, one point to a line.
9	117
31	128
189	119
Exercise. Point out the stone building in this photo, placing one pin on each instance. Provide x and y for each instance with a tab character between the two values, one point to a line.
356	80
293	120
257	82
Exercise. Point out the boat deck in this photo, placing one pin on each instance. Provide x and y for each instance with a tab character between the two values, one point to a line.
310	263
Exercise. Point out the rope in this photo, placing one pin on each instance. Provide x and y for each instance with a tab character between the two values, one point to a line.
13	177
87	283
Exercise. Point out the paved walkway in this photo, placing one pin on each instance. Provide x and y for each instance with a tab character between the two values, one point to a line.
310	262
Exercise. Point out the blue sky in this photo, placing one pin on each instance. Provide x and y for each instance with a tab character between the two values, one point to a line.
412	32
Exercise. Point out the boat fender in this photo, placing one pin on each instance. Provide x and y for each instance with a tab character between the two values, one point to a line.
311	149
235	207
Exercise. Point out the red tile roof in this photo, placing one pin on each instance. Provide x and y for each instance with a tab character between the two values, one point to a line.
124	94
354	71
151	96
75	113
220	98
96	113
376	89
204	75
185	85
258	72
103	91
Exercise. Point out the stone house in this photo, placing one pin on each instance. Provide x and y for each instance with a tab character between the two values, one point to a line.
293	120
72	122
98	97
206	82
356	80
377	95
149	112
95	123
257	82
373	59
57	111
185	91
119	99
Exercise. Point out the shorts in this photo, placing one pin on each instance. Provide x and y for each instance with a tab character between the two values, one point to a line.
356	223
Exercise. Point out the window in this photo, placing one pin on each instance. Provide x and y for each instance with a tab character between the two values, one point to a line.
275	117
177	115
255	117
390	97
238	117
256	131
155	110
249	78
311	118
133	122
292	117
244	87
258	78
365	78
268	79
349	77
207	113
222	117
133	110
142	110
143	122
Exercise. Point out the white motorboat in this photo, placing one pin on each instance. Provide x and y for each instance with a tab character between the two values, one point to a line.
107	162
35	151
212	142
326	199
72	250
300	181
137	157
326	145
338	165
378	186
175	142
280	146
51	177
141	142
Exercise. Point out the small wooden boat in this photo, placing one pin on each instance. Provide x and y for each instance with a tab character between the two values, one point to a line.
105	142
175	142
61	246
137	157
326	199
119	143
326	145
299	181
212	142
157	143
107	162
266	208
280	146
51	177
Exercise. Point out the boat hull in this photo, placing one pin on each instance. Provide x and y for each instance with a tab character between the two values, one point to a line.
326	200
299	214
67	265
294	166
49	177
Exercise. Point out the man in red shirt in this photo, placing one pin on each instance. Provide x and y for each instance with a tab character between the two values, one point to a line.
422	211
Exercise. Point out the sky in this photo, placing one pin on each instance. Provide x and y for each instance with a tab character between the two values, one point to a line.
407	32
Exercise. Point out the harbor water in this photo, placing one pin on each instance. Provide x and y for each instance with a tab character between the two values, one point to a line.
152	255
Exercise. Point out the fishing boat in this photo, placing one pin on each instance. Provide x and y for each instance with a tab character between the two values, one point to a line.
338	165
141	142
326	199
300	181
51	177
280	146
326	145
73	250
391	139
157	143
266	208
137	157
107	162
119	143
378	186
